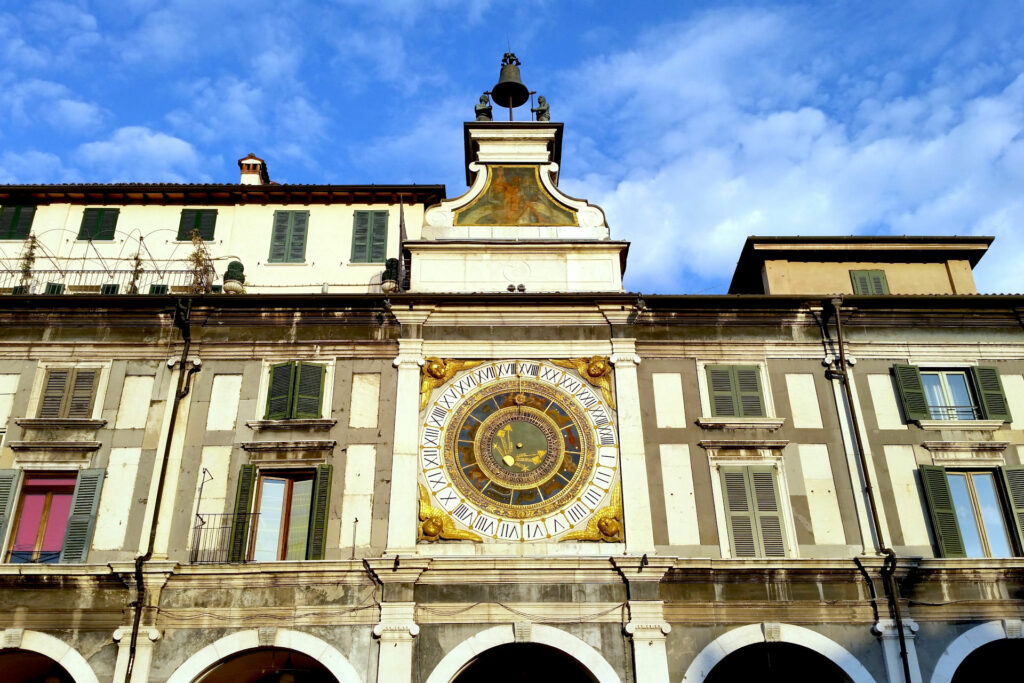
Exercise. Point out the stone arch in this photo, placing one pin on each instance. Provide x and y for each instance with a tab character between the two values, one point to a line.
465	651
733	640
286	639
963	645
57	650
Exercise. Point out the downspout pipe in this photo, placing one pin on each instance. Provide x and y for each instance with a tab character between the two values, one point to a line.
889	565
182	320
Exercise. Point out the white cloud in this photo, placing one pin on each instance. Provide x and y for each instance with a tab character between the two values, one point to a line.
34	166
33	100
138	154
717	130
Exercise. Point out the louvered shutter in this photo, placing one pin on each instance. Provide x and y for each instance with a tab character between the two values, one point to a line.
82	519
279	392
940	506
360	237
83	393
108	222
861	281
379	238
915	403
8	221
279	237
318	514
243	504
748	390
54	389
879	285
297	238
8	488
90	224
738	512
720	391
309	390
766	507
990	390
187	224
1013	479
207	223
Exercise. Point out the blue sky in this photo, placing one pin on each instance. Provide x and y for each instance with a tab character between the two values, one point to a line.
693	124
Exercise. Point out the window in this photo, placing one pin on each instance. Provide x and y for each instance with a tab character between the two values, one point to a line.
370	237
54	517
98	224
969	510
16	222
735	391
968	394
296	390
20	289
869	282
753	517
288	239
54	288
201	221
69	392
109	289
289	514
158	289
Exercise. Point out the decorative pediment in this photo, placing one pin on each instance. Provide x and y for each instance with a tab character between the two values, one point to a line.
514	195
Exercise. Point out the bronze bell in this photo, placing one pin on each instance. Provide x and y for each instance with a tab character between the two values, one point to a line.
510	91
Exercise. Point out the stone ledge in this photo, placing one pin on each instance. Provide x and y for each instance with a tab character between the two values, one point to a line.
277	446
59	423
960	425
311	424
55	445
769	423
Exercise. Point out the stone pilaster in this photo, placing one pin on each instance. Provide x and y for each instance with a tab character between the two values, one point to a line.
886	631
143	653
402	511
397	630
647	628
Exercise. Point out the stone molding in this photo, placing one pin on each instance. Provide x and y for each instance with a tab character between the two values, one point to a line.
960	425
55	445
311	424
769	423
307	445
59	423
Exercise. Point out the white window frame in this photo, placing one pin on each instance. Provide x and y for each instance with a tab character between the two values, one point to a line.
719	456
769	421
36	394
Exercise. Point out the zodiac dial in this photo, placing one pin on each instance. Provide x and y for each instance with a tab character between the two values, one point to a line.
515	451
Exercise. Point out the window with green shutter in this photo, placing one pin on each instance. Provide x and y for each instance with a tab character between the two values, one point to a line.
869	282
370	237
752	511
953	394
98	224
288	237
295	391
975	512
82	520
201	221
735	391
16	222
68	393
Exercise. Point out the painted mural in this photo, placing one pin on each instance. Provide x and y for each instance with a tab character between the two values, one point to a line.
514	196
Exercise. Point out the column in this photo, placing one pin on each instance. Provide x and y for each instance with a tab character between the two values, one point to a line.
396	631
636	499
646	627
886	631
143	653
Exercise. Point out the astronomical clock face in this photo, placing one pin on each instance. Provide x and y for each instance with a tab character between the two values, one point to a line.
519	451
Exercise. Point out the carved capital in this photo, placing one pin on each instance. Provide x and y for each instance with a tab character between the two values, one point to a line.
11	637
618	359
648	631
647	620
408	361
886	628
397	621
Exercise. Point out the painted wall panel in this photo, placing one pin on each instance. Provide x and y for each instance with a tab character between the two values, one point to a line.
902	468
883	395
680	506
365	400
133	409
224	397
668	399
820	489
116	498
1013	385
8	387
803	401
357	500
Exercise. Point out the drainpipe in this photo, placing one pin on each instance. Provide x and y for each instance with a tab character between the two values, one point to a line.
182	312
889	565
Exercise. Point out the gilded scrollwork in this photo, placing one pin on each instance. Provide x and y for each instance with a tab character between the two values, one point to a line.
437	371
596	370
435	524
605	525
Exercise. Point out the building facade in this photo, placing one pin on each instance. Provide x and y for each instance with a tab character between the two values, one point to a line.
413	438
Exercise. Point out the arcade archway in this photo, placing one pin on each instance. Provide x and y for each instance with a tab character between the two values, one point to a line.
776	663
23	666
523	663
267	665
989	662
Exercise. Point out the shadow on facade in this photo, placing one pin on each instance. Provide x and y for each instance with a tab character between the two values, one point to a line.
989	662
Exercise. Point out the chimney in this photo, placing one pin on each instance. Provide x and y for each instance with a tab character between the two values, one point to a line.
254	170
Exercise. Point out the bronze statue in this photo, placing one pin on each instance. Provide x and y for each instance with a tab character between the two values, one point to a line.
483	110
542	110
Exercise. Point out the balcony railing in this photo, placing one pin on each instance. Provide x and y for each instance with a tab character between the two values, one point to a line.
954	412
95	281
212	536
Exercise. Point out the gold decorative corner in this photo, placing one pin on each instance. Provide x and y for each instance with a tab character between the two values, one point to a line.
596	370
605	525
436	525
437	371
